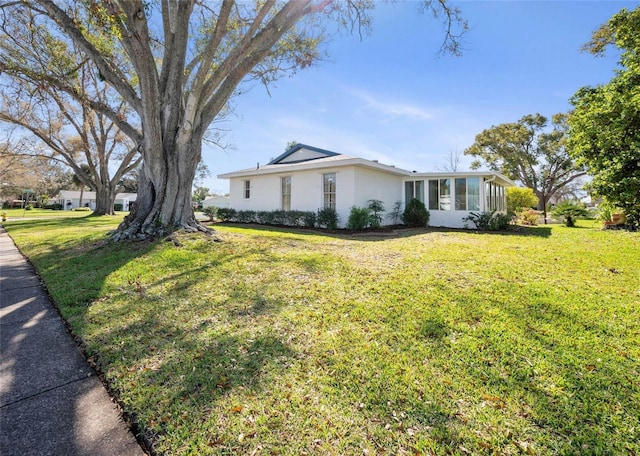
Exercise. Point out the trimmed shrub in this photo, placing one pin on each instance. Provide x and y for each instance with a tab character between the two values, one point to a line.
82	209
309	219
415	214
247	216
54	207
117	207
328	218
276	217
227	214
359	218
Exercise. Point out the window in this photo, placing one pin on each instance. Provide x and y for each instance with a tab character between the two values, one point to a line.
495	195
329	190
467	194
286	193
433	195
445	194
461	193
413	189
440	195
473	194
247	189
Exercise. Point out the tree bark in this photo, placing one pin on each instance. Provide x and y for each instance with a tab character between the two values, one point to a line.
105	197
164	202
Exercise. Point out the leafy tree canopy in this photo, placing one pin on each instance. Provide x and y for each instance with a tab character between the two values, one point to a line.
176	64
528	151
604	126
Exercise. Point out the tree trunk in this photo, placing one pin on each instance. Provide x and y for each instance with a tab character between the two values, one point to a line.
164	200
105	197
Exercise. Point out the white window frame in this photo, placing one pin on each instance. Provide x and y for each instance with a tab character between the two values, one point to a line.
329	194
246	189
285	192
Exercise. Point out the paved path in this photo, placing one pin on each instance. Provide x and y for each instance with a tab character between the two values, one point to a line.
51	402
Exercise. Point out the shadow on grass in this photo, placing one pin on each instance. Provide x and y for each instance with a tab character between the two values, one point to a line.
390	233
143	333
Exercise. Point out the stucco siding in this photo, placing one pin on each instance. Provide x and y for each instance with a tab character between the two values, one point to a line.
372	184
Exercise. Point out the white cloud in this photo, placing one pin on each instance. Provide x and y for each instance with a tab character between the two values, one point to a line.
393	108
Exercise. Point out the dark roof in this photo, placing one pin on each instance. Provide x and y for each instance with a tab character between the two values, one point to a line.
292	150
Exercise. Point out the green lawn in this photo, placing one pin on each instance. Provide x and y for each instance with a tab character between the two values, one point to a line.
293	342
18	214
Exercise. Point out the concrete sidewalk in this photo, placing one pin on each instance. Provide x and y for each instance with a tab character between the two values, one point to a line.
51	402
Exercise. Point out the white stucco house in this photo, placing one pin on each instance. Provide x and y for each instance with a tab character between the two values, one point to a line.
70	199
217	201
308	178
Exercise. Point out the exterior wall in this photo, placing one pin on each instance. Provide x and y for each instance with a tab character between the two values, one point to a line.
371	184
454	218
264	193
306	191
354	187
89	200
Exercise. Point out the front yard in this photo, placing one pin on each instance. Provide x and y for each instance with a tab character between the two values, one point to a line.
295	342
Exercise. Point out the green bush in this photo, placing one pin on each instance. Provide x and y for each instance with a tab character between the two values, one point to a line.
396	212
376	209
520	198
227	214
489	221
54	207
328	218
415	214
500	221
82	209
569	211
528	217
276	217
211	212
359	218
247	216
28	207
479	219
309	219
117	207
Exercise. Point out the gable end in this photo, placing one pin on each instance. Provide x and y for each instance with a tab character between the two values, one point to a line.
302	153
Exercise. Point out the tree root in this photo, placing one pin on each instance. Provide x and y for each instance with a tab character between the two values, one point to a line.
135	231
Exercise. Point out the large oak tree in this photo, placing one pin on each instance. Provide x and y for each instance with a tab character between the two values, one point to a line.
530	152
178	62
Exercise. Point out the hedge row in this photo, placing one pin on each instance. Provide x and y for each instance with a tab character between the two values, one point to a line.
324	218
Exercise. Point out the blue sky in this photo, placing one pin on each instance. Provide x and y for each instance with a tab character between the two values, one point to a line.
391	97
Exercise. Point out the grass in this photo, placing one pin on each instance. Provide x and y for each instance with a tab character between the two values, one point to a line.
17	214
293	342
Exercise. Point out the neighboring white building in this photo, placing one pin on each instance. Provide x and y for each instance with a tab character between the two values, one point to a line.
70	199
217	201
307	178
